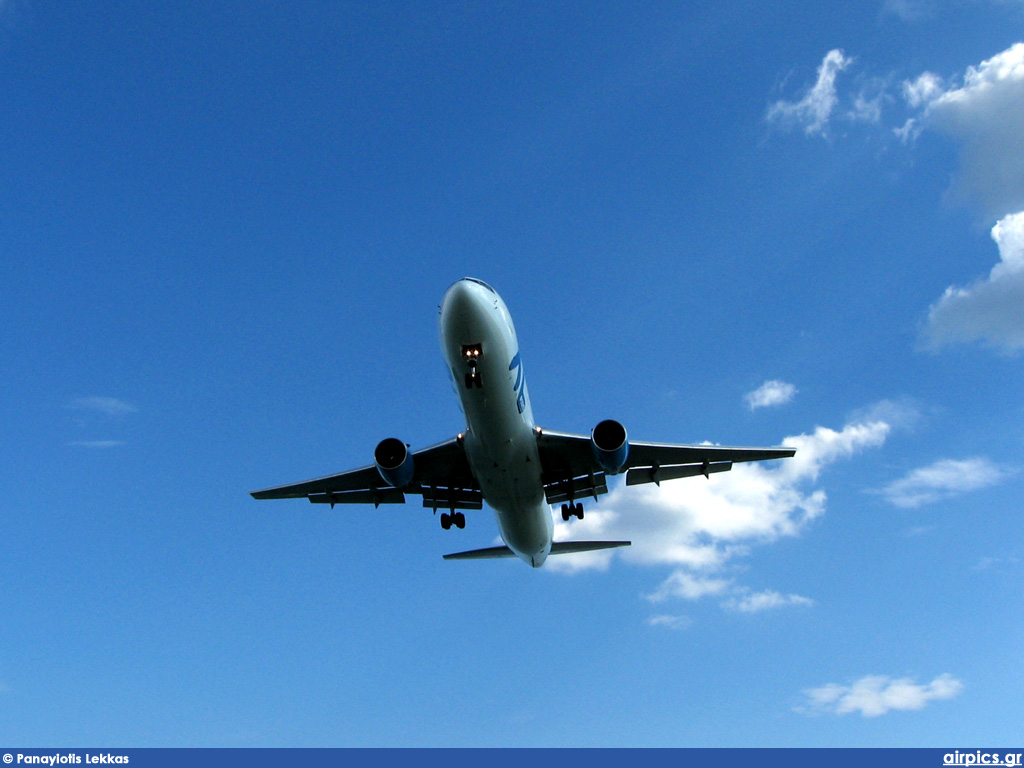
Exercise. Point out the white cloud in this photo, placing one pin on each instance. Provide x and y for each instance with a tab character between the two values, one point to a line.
983	109
989	563
876	695
987	115
909	11
689	587
699	527
926	88
815	108
755	602
670	622
686	586
770	393
868	108
992	309
943	480
97	444
903	413
107	406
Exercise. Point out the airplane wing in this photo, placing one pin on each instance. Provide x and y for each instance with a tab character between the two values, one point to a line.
571	471
441	474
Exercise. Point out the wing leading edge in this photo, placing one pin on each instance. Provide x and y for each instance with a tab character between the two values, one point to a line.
441	474
571	469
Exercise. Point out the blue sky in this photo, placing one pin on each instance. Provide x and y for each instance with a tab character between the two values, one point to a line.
224	233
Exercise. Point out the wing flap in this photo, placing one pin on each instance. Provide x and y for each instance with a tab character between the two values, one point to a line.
360	479
566	456
452	498
576	488
375	496
440	472
649	454
658	474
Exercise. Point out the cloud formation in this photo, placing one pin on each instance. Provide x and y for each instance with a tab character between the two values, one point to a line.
875	695
755	602
670	622
687	586
97	444
986	114
106	406
813	111
991	309
909	11
769	394
699	527
944	479
982	109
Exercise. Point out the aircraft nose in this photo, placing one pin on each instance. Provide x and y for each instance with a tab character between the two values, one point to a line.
461	300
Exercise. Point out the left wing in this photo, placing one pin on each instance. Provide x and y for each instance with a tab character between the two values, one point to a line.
570	469
441	474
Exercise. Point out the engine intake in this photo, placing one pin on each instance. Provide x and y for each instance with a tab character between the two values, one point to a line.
611	446
394	462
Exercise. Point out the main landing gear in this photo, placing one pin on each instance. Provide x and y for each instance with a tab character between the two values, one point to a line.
572	510
455	518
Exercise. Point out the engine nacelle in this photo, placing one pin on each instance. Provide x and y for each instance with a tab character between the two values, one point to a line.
611	447
394	462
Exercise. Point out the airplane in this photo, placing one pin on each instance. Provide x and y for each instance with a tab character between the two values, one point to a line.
503	457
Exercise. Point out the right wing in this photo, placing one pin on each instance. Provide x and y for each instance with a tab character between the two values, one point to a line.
571	471
441	474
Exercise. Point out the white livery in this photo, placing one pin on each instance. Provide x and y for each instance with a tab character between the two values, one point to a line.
502	457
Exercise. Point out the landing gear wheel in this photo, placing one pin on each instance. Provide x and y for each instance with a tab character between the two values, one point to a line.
459	519
572	510
446	520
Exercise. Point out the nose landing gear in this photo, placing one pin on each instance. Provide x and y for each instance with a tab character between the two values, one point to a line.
471	355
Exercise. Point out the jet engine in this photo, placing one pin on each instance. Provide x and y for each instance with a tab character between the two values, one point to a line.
394	462
611	448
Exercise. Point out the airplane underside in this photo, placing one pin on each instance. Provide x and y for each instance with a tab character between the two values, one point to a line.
502	457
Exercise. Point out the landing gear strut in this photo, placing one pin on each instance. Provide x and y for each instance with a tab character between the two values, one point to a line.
572	510
455	518
471	354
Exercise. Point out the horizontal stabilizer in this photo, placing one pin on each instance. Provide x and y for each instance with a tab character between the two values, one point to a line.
568	547
558	548
481	554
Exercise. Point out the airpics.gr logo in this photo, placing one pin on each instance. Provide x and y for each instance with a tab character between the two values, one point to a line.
978	757
519	387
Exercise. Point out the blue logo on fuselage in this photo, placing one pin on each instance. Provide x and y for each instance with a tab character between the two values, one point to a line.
519	387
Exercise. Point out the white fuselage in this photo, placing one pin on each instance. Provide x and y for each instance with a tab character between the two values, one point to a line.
480	348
